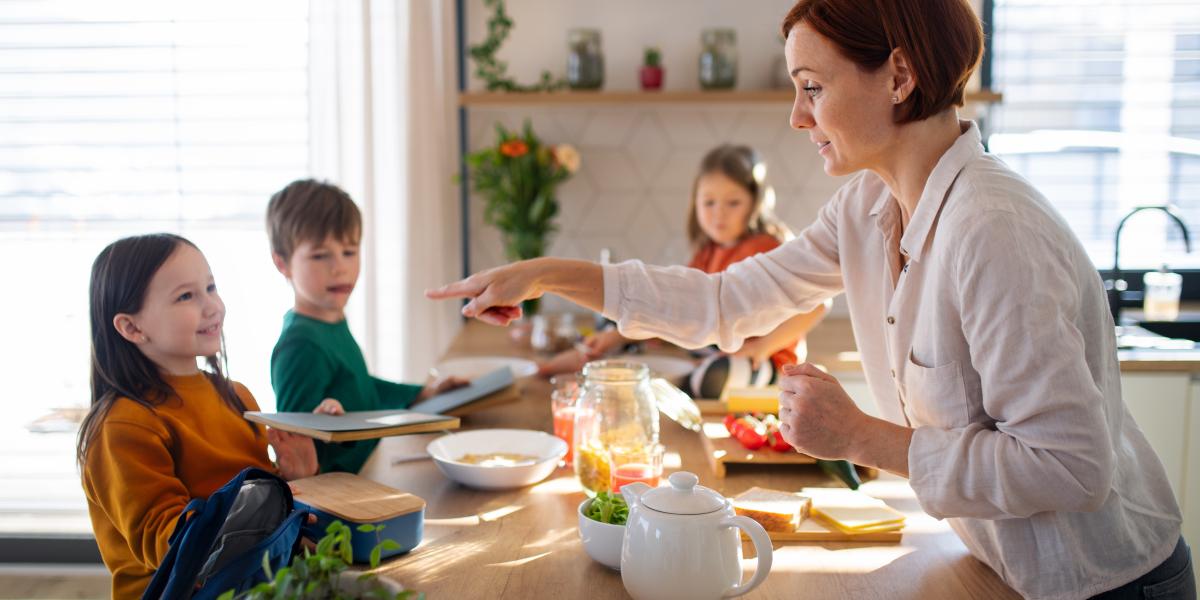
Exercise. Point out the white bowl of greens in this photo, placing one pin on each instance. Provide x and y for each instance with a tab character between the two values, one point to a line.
602	528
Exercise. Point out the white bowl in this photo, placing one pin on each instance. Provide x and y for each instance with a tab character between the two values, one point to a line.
470	367
447	449
601	541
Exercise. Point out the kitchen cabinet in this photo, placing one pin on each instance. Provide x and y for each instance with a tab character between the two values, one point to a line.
1159	403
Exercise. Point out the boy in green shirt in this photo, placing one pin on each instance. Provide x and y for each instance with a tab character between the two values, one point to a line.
314	230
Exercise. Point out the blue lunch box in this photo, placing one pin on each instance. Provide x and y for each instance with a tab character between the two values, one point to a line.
355	501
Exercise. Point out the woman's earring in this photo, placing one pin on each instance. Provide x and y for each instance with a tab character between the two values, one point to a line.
895	99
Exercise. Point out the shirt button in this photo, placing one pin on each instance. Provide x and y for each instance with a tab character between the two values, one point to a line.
893	373
891	320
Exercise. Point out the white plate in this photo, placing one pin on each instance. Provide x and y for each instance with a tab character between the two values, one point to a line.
447	449
470	367
671	368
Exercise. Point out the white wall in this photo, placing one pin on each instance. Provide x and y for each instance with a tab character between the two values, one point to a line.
539	36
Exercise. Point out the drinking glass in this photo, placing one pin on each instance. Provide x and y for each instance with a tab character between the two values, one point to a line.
635	463
562	407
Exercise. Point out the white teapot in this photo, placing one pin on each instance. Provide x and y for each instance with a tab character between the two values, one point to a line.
682	542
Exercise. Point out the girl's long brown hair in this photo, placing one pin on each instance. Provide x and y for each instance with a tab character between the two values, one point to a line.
738	163
120	276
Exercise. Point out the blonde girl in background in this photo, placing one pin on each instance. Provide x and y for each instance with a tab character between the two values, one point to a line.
731	218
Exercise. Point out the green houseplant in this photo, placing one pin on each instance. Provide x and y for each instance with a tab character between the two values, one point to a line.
321	573
517	178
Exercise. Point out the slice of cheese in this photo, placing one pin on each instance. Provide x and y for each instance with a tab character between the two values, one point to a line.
853	511
773	509
823	518
749	400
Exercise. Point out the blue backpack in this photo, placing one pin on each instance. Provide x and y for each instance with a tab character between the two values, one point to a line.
219	542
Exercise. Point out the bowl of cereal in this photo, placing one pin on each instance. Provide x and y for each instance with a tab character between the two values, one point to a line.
496	459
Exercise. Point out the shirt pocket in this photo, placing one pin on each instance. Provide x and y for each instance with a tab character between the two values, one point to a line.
936	395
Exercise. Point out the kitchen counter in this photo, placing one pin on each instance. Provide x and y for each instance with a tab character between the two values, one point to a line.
524	543
832	344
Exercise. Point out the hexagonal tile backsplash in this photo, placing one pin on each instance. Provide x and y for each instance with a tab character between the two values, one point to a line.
631	194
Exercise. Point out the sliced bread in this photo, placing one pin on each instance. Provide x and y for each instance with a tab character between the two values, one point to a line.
773	509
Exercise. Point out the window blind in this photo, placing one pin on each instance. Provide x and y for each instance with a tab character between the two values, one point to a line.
150	110
1101	112
125	117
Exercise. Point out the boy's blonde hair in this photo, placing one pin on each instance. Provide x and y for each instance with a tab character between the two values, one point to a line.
743	165
311	210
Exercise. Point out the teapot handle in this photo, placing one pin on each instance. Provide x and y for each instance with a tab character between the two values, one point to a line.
762	547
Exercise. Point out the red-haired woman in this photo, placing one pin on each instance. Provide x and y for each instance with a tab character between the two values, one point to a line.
983	326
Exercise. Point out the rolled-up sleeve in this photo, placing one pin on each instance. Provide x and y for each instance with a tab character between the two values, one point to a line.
690	308
1049	448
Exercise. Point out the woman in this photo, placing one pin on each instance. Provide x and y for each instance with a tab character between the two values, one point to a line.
982	324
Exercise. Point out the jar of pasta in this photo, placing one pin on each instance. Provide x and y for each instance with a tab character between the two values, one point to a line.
616	408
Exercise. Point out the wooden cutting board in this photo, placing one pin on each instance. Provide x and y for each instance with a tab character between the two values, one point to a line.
812	530
721	449
815	529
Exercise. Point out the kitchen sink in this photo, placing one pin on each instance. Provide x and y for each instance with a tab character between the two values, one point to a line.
1186	329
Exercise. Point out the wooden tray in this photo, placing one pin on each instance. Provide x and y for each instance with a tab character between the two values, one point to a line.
813	530
816	529
722	450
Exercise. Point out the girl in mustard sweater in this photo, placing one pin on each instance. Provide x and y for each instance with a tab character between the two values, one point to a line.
160	430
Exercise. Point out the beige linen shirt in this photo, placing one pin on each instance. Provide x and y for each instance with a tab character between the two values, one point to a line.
994	342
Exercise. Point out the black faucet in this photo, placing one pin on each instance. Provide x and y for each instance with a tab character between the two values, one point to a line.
1116	286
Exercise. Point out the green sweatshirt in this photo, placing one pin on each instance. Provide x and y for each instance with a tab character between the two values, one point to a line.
314	360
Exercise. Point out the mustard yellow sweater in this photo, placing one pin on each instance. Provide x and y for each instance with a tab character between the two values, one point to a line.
144	466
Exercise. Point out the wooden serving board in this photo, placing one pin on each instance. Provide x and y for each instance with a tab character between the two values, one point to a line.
812	530
721	449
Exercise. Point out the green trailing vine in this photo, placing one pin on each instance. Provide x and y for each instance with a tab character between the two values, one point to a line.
493	72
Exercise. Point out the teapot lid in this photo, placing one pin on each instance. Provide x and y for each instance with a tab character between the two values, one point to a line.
684	496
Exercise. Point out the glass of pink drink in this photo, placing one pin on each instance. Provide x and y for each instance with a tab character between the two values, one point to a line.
635	464
562	408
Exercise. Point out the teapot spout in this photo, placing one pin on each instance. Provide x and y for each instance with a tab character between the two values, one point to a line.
632	492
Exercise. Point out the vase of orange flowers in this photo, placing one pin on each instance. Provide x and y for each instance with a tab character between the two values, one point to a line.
518	177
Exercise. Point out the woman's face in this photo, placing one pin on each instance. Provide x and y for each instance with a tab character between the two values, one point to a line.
847	111
722	208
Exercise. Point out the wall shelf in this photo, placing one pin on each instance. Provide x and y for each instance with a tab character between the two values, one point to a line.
660	97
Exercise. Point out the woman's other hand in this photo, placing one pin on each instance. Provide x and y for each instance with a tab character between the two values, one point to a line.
819	418
295	454
437	385
329	406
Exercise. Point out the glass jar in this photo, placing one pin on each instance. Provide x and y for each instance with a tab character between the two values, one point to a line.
585	63
718	59
1162	291
616	408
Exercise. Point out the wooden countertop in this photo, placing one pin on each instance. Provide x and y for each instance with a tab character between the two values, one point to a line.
832	345
524	543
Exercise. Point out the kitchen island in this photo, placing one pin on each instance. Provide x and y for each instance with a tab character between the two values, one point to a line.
524	543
